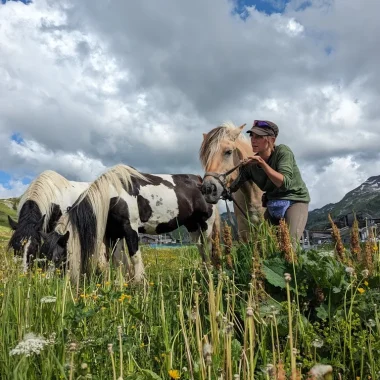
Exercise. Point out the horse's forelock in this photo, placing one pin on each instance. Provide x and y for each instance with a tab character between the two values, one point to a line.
44	191
212	141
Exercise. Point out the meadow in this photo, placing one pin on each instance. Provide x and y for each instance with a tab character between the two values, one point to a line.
261	311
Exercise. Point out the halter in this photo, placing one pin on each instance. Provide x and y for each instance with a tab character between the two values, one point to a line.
222	179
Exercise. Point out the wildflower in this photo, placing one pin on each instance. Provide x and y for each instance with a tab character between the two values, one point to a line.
339	247
174	374
350	270
98	285
227	237
48	299
216	252
107	283
317	343
249	311
287	277
365	273
371	323
365	283
125	285
73	346
31	344
110	348
320	370
285	242
151	283
207	352
361	290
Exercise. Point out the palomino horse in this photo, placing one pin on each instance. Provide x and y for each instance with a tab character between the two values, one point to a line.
222	149
40	207
126	202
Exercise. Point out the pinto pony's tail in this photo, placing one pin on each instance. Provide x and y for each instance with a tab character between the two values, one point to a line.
88	215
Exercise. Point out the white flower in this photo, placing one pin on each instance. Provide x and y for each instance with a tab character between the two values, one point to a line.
48	299
318	343
350	270
31	344
365	273
320	370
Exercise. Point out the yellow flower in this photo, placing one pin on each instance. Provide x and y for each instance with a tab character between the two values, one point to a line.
174	374
98	285
102	308
361	290
365	283
125	285
108	283
82	296
151	284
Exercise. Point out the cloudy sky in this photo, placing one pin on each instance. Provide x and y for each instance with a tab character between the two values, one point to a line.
91	83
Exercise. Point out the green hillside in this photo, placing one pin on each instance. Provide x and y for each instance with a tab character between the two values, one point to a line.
7	207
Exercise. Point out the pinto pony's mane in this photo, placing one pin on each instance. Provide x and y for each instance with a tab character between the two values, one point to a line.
213	139
44	191
86	220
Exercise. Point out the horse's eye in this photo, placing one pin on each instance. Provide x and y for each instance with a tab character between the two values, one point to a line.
228	152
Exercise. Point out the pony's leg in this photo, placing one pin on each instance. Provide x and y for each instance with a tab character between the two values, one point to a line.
119	257
198	238
132	239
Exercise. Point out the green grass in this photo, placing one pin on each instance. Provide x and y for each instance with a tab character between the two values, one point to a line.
193	321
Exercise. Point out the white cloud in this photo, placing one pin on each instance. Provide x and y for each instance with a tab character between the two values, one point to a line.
13	189
89	84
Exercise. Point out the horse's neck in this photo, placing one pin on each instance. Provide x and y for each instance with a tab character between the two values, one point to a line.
248	197
244	149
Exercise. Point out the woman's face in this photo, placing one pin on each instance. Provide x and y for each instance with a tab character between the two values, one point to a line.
259	143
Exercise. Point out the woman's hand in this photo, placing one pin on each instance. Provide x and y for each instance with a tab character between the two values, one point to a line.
256	159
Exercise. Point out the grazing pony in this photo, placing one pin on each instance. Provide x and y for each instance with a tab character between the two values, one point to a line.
221	150
40	207
126	202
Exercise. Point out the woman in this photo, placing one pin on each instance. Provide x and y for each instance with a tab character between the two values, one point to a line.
274	170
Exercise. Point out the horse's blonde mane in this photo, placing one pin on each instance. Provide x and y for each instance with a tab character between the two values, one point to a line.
99	193
45	190
211	142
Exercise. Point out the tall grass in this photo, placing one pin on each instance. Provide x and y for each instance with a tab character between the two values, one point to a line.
247	320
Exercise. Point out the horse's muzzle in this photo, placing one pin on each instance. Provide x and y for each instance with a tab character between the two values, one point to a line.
208	188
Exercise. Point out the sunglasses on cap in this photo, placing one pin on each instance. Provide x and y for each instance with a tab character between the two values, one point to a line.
261	123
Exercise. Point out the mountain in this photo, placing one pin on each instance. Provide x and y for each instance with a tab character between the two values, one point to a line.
364	201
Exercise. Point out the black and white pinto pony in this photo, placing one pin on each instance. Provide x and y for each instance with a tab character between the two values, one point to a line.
123	202
40	207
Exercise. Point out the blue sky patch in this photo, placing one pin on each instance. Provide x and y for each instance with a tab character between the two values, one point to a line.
17	138
21	1
6	178
265	6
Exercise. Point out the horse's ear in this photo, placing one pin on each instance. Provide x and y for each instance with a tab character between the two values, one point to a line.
12	223
40	223
204	135
237	131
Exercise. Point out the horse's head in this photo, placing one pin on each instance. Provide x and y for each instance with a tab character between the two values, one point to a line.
54	247
221	150
26	239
